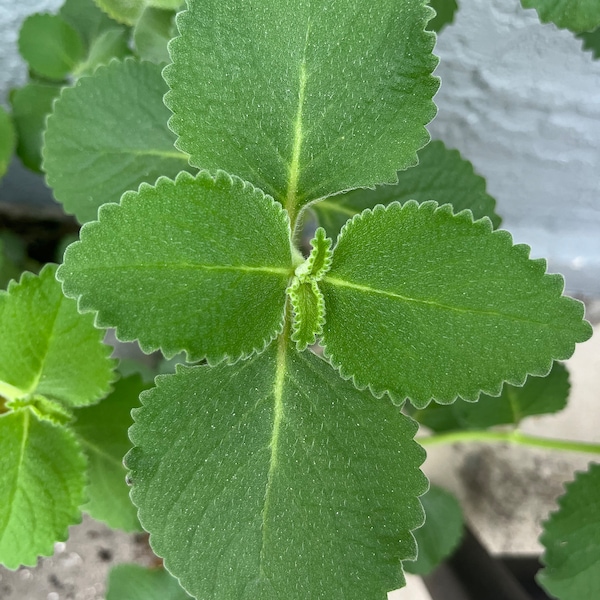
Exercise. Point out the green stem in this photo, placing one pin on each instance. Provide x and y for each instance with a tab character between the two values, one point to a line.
514	437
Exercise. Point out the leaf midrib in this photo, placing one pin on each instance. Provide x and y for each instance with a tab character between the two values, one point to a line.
337	281
226	268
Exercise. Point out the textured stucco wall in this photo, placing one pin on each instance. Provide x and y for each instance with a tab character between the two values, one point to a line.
519	99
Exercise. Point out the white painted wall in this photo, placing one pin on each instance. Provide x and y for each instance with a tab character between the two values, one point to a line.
519	99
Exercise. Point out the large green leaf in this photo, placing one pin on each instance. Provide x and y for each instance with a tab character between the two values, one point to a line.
7	141
31	105
441	175
427	305
538	396
200	264
133	582
102	432
47	347
42	478
445	10
572	540
50	46
274	478
302	98
107	135
576	15
441	532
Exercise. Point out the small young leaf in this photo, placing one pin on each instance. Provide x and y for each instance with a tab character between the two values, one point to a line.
86	18
47	347
184	265
572	540
43	408
95	151
538	396
50	46
123	11
445	10
7	141
133	582
294	108
319	260
279	478
309	312
441	532
31	105
152	33
576	15
427	305
441	175
42	478
102	432
591	41
111	43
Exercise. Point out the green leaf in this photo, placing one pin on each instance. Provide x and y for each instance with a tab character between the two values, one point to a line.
538	396
95	151
102	432
441	533
309	312
152	32
7	141
133	582
178	267
572	540
576	15
427	305
277	477
85	17
441	175
591	41
31	105
42	477
47	347
50	46
294	109
319	260
129	11
445	10
112	43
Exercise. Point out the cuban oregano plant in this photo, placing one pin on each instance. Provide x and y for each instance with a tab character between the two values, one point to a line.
268	471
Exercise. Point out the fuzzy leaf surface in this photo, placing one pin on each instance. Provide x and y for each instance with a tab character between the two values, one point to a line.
309	312
7	141
93	152
576	15
538	396
50	46
197	264
445	10
571	538
102	433
31	104
265	469
441	532
441	175
152	32
134	582
47	347
425	304
302	98
42	478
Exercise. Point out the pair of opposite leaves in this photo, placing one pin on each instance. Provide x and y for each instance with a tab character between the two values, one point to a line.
413	300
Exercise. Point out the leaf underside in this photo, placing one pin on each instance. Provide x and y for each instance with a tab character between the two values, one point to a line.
538	396
294	109
576	15
42	478
441	175
47	347
572	540
178	267
134	582
428	305
273	478
94	151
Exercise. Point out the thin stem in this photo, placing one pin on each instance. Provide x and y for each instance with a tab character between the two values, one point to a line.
513	437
